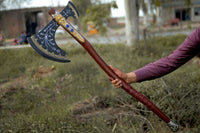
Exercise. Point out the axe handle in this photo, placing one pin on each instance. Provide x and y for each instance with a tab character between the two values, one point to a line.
89	48
129	89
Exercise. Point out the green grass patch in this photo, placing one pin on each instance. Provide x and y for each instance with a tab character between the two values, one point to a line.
46	102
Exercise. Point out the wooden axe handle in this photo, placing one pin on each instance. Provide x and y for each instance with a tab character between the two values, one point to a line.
140	97
89	48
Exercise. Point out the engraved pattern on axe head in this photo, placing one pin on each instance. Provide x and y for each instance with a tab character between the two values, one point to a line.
46	37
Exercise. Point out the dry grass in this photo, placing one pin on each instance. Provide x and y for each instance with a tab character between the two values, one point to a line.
54	92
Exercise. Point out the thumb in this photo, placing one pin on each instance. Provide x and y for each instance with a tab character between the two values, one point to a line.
113	68
119	73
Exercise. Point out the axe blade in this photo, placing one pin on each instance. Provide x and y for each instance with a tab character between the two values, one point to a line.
44	41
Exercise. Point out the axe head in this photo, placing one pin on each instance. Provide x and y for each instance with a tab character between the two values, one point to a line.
44	41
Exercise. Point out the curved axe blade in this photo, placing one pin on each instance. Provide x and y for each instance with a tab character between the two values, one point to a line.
44	42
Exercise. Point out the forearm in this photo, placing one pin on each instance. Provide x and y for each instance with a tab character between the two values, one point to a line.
187	50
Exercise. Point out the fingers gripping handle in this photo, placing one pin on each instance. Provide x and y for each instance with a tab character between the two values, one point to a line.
173	126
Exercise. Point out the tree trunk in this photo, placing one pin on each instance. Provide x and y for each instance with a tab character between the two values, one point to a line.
132	21
146	7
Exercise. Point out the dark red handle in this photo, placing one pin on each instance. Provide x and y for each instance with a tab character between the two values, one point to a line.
140	97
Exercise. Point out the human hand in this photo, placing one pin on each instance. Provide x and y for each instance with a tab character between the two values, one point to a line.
128	77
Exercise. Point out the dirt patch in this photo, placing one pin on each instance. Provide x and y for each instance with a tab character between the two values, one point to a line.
95	107
196	60
41	71
23	81
19	82
98	106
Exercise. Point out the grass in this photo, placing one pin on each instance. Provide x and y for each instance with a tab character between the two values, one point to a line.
46	103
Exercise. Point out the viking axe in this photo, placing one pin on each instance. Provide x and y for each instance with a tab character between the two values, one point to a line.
44	44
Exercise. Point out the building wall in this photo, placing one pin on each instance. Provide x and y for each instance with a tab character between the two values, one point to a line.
169	8
13	22
195	15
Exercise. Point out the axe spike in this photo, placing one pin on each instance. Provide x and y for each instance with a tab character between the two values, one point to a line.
74	9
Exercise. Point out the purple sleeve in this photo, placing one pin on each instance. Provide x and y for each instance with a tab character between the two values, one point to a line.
187	50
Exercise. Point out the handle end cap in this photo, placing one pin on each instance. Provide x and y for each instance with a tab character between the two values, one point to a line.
173	126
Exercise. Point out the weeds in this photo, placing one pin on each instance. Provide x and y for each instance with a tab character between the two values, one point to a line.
46	103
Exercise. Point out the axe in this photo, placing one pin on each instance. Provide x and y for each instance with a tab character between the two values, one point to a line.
44	43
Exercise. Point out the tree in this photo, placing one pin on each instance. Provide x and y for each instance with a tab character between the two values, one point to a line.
14	3
82	6
94	11
99	14
145	7
2	4
132	21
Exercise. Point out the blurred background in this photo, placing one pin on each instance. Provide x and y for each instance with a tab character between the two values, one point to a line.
101	17
41	96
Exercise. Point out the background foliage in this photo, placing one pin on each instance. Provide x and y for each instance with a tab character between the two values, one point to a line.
96	12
